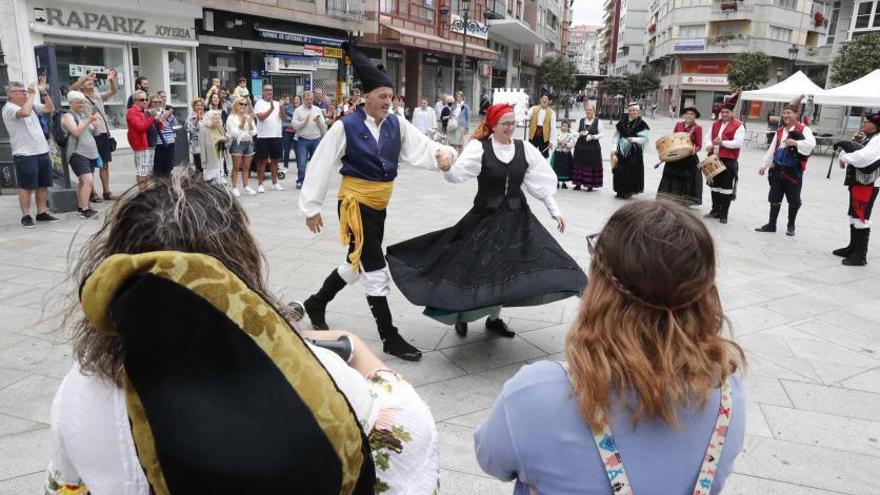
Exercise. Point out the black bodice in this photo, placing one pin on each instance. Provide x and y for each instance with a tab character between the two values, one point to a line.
501	182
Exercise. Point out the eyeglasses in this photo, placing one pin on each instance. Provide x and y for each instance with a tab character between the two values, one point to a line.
241	103
512	123
140	99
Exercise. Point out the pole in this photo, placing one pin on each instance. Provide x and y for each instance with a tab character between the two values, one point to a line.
464	49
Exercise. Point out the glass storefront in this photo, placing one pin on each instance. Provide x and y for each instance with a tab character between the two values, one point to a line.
75	61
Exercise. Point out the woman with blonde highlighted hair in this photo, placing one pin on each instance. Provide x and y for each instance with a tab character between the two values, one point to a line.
649	382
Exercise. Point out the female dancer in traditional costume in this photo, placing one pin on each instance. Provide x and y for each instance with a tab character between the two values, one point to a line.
682	179
499	254
631	136
562	155
586	170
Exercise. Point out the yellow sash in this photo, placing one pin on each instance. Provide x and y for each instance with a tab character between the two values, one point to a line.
545	126
354	192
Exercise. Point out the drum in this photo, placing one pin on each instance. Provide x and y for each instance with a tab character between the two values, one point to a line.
712	166
675	146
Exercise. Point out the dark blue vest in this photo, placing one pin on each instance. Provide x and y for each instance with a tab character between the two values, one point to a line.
364	158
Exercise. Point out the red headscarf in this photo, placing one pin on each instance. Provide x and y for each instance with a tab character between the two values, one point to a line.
495	112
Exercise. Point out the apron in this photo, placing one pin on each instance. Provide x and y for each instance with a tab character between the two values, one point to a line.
613	462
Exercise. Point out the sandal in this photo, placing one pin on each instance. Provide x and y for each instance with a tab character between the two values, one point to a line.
95	199
109	196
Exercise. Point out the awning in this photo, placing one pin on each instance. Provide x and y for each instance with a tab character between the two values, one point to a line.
514	31
796	85
859	93
426	41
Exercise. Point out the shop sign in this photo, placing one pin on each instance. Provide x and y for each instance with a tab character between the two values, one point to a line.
332	52
304	39
432	60
474	28
78	19
705	66
328	63
705	80
313	51
287	63
391	54
694	45
78	70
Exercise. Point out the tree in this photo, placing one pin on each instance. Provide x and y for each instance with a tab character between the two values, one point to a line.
748	70
856	58
558	72
615	85
642	83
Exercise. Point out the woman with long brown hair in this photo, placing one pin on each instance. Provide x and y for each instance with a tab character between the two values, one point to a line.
190	376
499	253
650	379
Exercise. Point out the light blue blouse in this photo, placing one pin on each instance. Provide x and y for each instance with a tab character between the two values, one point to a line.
535	435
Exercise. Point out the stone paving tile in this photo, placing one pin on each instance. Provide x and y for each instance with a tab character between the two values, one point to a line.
833	400
30	398
453	440
23	453
29	483
550	340
739	484
455	483
766	390
868	381
493	353
810	466
824	430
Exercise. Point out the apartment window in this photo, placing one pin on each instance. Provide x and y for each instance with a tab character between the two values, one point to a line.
780	34
863	17
692	31
787	4
694	3
832	23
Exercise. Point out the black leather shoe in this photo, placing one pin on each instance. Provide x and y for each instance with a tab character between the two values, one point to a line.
766	228
397	346
461	329
498	326
789	231
722	220
316	312
711	214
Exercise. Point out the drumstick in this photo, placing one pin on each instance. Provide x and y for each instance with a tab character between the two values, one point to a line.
658	164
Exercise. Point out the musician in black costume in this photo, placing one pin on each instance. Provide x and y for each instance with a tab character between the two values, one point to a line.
862	162
498	254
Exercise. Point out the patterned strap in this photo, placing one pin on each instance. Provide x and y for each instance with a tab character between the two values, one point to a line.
613	463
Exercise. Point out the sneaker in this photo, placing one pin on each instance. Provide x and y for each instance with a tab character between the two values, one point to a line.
46	217
235	192
260	189
87	213
249	191
27	222
299	185
278	186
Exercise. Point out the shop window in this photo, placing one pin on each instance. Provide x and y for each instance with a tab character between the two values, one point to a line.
178	78
74	60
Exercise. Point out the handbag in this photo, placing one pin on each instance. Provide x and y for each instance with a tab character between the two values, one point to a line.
452	123
615	159
111	139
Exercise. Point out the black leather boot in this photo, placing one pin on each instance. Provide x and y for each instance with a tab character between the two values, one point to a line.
461	328
774	215
316	304
713	213
792	216
392	342
498	326
858	256
724	207
844	252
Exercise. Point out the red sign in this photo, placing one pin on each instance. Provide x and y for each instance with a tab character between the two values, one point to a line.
705	67
313	50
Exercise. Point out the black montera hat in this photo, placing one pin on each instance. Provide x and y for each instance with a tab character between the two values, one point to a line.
370	76
691	109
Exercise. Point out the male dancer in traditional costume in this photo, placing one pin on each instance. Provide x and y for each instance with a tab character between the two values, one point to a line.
366	147
862	162
787	159
728	135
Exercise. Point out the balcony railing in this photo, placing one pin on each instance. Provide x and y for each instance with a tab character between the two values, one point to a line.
727	39
350	10
726	8
495	10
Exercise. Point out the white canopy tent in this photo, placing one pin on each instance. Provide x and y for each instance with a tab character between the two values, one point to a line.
796	85
863	92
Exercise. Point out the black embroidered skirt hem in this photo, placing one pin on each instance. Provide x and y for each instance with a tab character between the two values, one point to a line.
629	175
586	169
682	181
488	259
562	165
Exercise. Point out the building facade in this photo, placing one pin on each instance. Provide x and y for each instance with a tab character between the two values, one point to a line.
690	43
584	49
632	19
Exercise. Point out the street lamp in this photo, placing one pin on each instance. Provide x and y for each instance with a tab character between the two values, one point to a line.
792	54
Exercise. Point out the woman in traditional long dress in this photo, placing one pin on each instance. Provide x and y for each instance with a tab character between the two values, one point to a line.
682	179
561	160
631	136
586	170
498	254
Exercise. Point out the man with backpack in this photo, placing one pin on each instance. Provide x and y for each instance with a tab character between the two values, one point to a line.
30	150
106	144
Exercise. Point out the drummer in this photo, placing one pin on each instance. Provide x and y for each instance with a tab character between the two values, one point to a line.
682	179
728	135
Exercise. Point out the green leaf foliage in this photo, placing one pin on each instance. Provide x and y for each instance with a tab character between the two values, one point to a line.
748	70
856	58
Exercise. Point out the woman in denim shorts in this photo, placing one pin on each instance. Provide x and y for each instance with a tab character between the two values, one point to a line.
240	131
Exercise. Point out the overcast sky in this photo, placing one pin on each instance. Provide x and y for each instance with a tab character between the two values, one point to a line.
587	12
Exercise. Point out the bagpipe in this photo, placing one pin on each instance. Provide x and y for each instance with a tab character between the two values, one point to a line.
865	175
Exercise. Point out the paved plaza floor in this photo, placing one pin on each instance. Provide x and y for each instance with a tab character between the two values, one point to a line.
811	327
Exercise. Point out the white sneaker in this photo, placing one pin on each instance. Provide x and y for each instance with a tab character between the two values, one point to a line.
249	191
260	189
235	192
278	186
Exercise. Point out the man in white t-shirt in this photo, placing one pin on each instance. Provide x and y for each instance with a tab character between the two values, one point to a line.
310	126
425	118
268	144
30	151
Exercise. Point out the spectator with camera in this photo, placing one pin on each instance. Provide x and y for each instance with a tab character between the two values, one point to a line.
94	103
